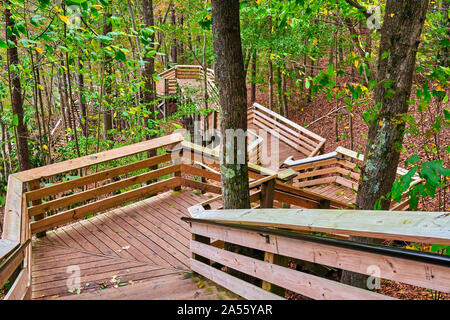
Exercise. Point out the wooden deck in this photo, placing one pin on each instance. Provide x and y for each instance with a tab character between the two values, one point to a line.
144	244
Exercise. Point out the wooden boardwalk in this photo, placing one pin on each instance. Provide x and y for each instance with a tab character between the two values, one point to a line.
144	244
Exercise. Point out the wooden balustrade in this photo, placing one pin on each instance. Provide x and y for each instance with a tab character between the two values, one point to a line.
58	200
276	232
337	175
299	138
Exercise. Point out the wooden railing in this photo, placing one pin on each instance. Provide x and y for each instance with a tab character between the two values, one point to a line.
299	138
341	168
52	196
47	197
277	232
169	83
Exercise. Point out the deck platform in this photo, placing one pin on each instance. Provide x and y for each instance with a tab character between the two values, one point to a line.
144	244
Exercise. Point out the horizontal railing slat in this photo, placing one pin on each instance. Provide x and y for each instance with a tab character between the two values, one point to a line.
82	211
95	177
93	193
93	159
309	285
416	226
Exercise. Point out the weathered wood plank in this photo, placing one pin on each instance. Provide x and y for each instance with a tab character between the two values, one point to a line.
93	193
238	286
19	289
107	203
12	221
201	186
7	247
417	226
93	159
299	282
103	175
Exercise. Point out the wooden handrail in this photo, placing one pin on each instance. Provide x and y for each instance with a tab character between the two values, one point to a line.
406	266
94	159
416	226
17	229
299	138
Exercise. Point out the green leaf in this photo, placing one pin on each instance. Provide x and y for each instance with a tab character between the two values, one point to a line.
307	84
3	44
415	158
447	113
15	120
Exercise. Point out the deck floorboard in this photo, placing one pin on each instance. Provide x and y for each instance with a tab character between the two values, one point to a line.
141	242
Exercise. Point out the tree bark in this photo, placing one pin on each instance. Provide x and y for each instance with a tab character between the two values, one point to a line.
173	47
107	112
400	37
230	78
149	69
270	67
16	93
253	75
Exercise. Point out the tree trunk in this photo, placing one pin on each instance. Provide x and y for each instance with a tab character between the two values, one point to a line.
173	47
230	78
284	95
149	90
107	112
16	93
400	37
253	80
81	99
270	67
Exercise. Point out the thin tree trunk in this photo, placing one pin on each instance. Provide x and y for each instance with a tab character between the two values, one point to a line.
253	79
284	95
81	99
107	112
173	47
270	66
16	93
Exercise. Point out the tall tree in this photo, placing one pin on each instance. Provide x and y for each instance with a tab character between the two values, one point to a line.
15	90
400	38
230	78
149	90
107	113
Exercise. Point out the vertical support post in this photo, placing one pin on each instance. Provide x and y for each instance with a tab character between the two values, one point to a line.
278	260
34	185
324	204
267	191
25	235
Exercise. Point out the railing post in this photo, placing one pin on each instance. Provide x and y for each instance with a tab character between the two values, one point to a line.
267	195
324	204
267	191
278	260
